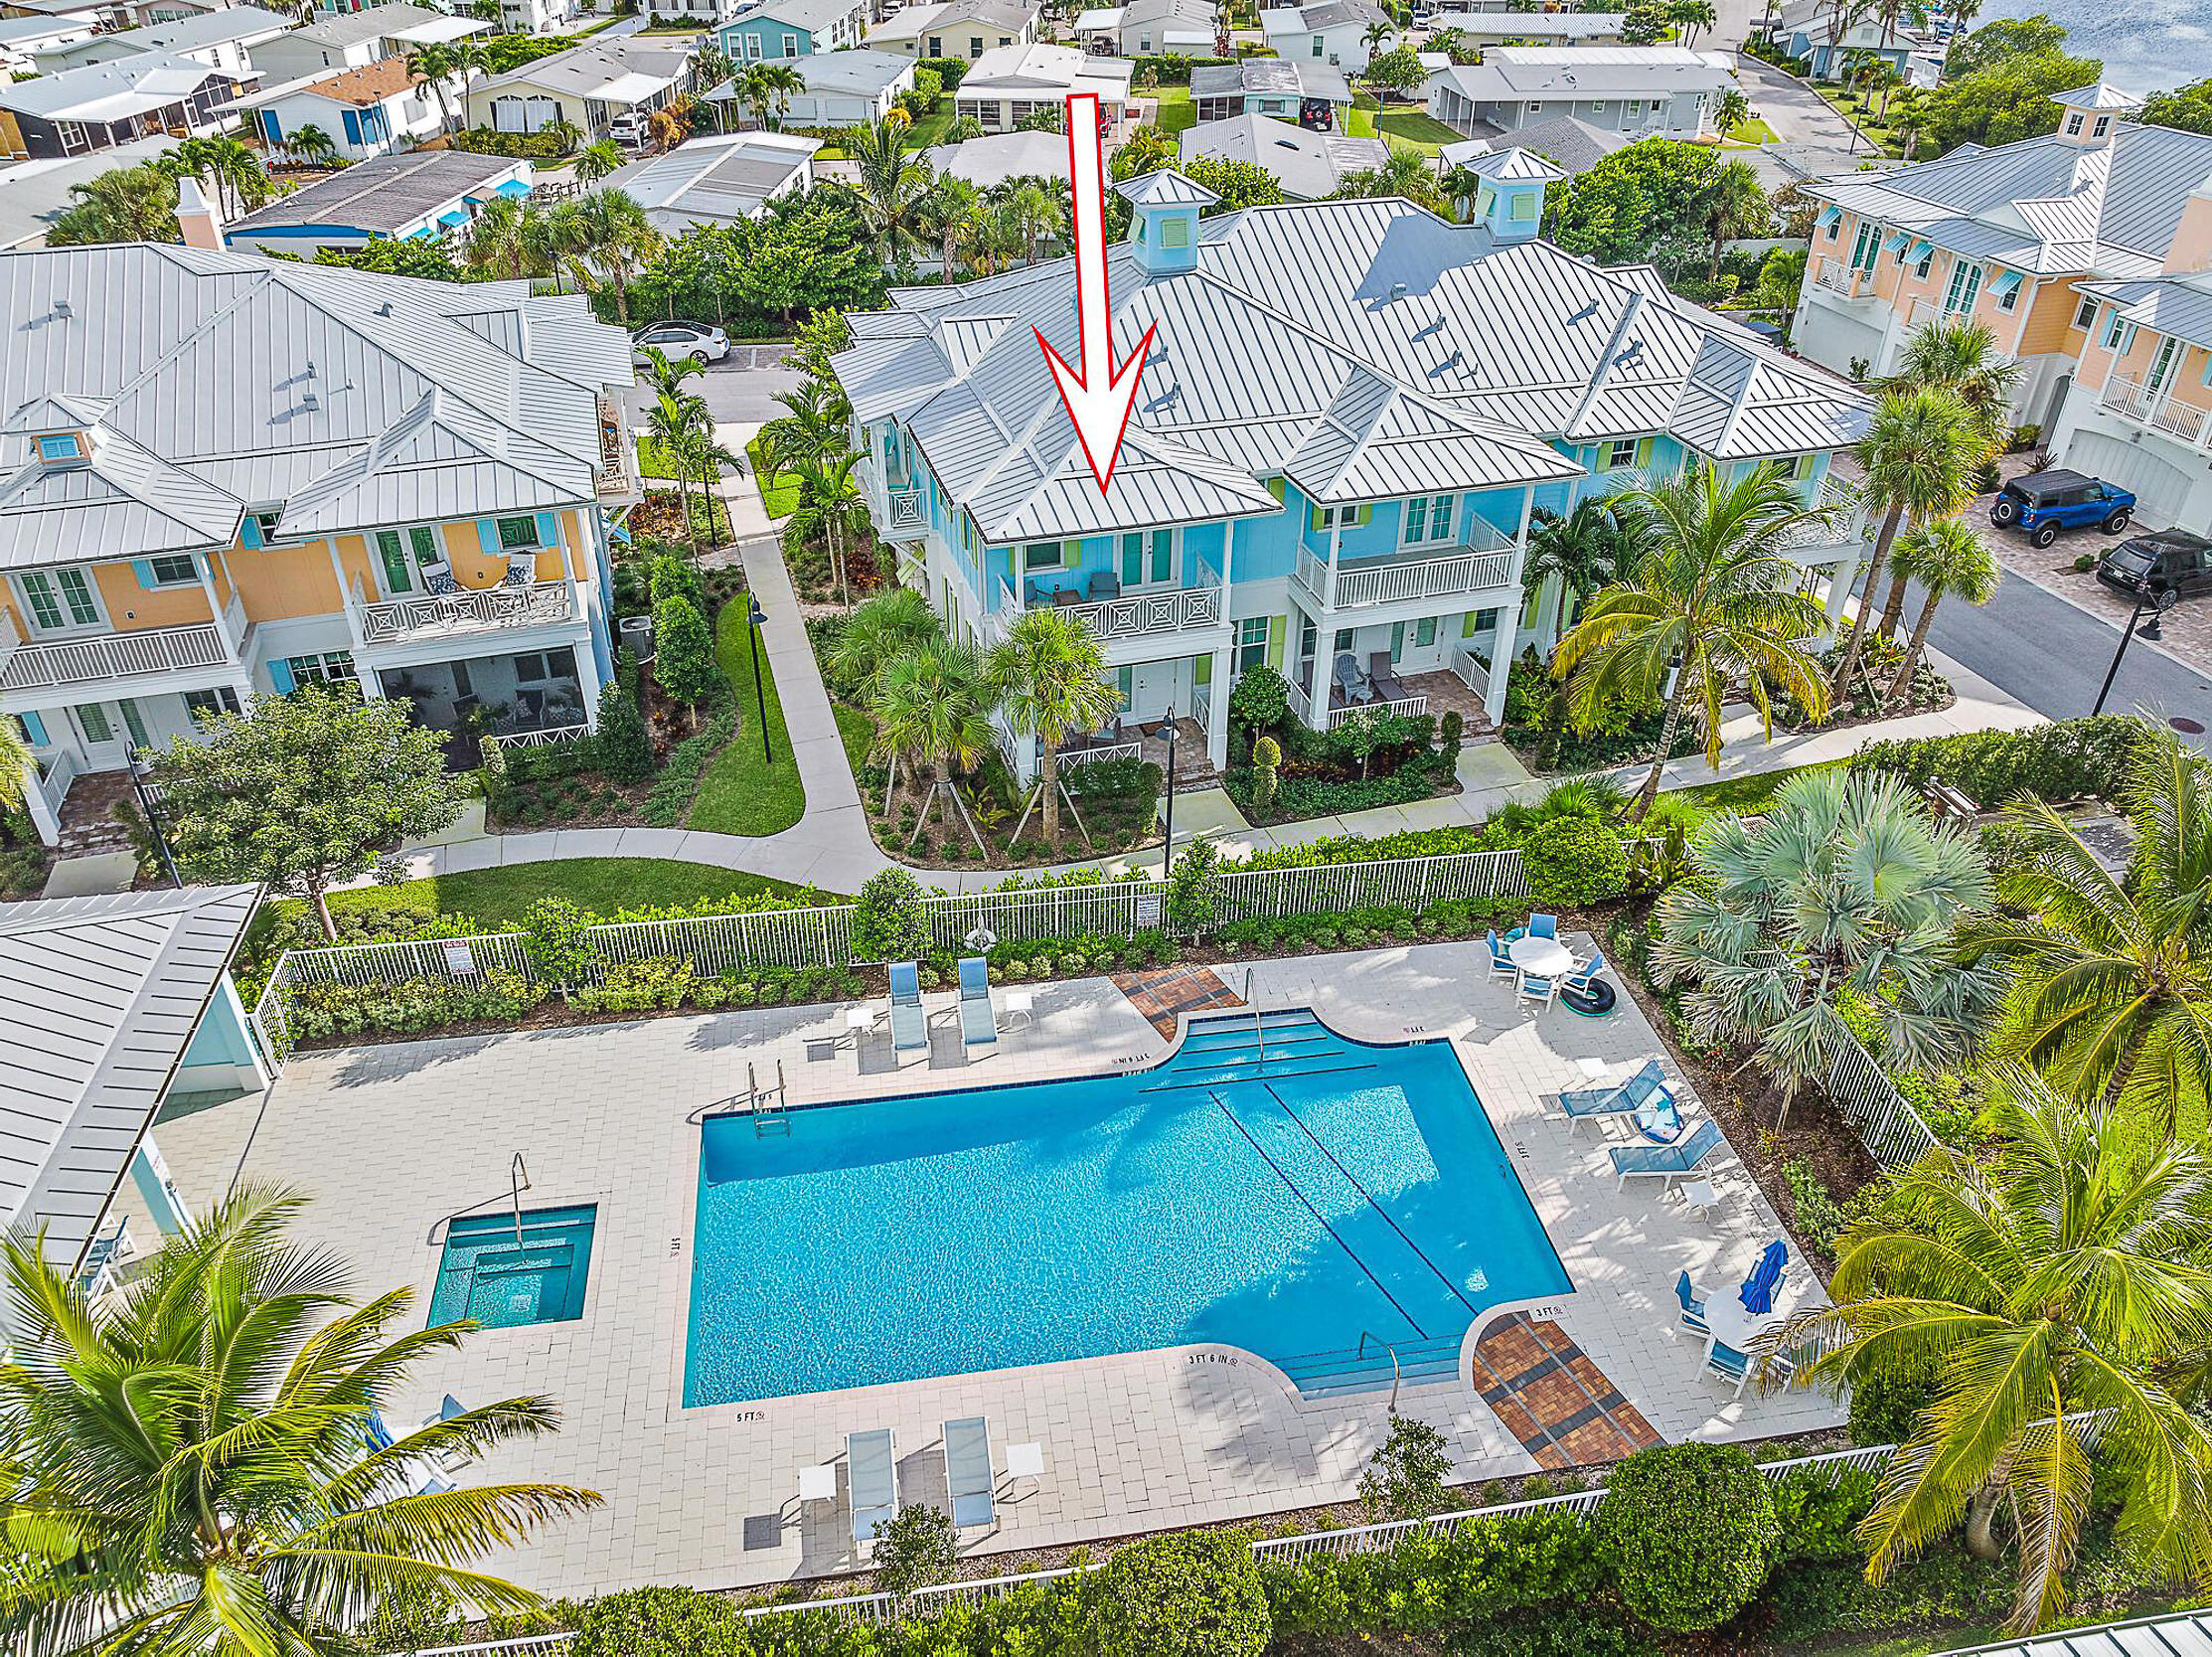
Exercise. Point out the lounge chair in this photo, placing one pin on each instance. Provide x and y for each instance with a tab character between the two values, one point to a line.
1692	1314
968	1471
1383	675
1664	1161
979	1025
1543	925
1501	962
1623	1099
871	1465
909	1027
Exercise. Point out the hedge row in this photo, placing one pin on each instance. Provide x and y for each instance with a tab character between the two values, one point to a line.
2071	758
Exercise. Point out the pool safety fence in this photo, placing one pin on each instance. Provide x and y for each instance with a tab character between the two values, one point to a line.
925	1603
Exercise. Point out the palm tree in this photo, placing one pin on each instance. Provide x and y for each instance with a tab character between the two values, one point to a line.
507	239
948	209
1731	111
1735	204
930	713
1378	34
1690	16
829	500
1580	550
2056	1288
433	62
1714	598
1842	886
894	183
192	1465
313	145
702	459
1407	173
2112	994
892	625
1462	187
1949	561
670	425
1919	456
123	204
665	374
768	89
816	426
612	241
1049	678
596	160
1025	212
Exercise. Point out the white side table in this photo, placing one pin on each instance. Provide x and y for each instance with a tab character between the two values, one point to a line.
1025	1461
1700	1196
1020	1005
819	1482
859	1021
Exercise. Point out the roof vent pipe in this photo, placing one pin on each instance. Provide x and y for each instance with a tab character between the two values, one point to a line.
1397	290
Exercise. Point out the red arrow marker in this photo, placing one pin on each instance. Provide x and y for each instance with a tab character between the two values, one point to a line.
1098	396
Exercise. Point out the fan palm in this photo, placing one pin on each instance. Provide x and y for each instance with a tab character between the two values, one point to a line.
191	1466
1949	561
2111	993
1734	204
1050	677
1919	456
892	625
1715	592
894	183
609	240
2056	1288
1841	887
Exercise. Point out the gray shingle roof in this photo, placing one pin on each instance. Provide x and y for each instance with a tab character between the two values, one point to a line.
1573	144
98	999
386	193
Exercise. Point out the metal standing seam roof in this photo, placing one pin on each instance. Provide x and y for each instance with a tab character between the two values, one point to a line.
205	28
368	24
113	91
717	179
814	15
588	70
1508	72
2188	1634
2179	305
98	999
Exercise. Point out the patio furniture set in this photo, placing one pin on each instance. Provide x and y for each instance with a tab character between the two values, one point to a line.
1733	1325
1101	585
1353	686
871	1465
1543	969
981	1021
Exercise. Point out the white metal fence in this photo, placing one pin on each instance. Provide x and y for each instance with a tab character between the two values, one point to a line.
1893	1132
925	1603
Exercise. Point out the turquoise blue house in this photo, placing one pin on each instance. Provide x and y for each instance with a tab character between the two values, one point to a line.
1348	417
792	29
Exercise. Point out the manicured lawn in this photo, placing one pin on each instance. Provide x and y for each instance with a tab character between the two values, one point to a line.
1747	795
1177	113
1853	108
1753	132
740	793
1418	128
856	731
779	491
499	897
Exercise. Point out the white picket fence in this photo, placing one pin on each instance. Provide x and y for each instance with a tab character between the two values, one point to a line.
925	1603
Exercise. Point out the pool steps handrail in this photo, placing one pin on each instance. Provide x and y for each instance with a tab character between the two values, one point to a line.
1360	1351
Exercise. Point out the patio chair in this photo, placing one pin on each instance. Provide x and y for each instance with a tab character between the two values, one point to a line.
1383	674
968	1477
1664	1161
1583	974
979	1025
1693	1313
1500	963
1534	987
1543	925
1623	1099
522	570
1730	1364
437	580
910	1028
871	1465
1345	671
1102	585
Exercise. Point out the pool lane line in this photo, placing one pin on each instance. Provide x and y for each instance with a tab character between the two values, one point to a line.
1292	1185
1387	1219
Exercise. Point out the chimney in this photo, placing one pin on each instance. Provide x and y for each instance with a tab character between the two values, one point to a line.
195	215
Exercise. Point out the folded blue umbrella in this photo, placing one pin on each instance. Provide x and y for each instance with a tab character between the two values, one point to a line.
1759	1287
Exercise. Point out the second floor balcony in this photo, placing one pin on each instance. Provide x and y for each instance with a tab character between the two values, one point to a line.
1481	559
38	664
1113	614
1843	279
469	612
2155	408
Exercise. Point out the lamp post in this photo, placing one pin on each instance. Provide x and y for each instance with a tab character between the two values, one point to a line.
147	811
2157	604
1168	849
759	692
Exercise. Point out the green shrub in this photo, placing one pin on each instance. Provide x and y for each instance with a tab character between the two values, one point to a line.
1886	1405
1266	774
1991	768
661	1622
656	982
673	791
1691	1533
914	1550
1193	889
1820	1512
1573	861
1260	699
1405	1475
889	920
1189	1593
556	943
410	1007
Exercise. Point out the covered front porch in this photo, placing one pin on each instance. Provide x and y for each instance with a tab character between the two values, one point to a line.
1430	665
1188	692
522	692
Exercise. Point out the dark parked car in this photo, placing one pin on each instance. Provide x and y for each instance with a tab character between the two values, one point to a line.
2054	499
2165	560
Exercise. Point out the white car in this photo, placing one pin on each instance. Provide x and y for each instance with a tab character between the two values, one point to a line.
703	342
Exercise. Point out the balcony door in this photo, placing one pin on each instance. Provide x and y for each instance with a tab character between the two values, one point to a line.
1148	559
403	555
2160	376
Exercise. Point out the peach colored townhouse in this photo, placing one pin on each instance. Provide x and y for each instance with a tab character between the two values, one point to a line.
2025	237
222	476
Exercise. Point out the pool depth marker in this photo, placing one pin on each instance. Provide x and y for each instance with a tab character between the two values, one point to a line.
1098	397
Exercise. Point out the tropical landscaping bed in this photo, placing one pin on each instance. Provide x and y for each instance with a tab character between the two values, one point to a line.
1283	771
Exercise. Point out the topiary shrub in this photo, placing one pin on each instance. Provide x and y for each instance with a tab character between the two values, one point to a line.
888	921
1260	699
1572	861
1691	1533
1193	1594
1267	775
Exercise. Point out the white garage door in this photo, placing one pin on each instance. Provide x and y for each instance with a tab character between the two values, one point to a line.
1834	339
2160	487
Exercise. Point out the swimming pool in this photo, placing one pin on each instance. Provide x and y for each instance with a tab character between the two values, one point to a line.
1300	1204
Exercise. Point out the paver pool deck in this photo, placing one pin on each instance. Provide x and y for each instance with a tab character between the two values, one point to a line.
391	1140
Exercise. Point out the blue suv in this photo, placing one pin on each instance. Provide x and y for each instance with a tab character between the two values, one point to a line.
2054	499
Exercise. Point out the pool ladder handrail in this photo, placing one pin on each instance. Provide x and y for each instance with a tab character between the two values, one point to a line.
1360	1352
1259	1028
766	1116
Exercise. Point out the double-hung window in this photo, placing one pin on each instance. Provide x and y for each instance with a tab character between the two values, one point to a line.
60	600
174	569
518	535
1619	453
1251	644
404	553
1428	518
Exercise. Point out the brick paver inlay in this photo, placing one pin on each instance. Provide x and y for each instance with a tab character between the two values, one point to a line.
1552	1397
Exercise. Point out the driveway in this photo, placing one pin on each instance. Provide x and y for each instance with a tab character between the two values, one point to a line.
740	389
1804	122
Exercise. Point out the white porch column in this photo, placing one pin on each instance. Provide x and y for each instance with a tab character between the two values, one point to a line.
204	565
1217	709
346	601
1502	645
157	1190
1552	599
1842	577
42	816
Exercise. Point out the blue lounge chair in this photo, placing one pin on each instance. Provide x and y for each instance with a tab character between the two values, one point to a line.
1623	1099
979	1025
1664	1161
1543	925
910	1028
968	1475
871	1466
1500	962
1693	1306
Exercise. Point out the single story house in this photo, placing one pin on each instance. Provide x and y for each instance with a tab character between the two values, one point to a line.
1480	27
1284	87
1309	165
22	39
1806	29
33	193
96	106
421	195
1574	146
792	29
1146	28
1010	82
842	88
354	39
1333	32
983	162
716	181
1648	92
586	85
957	28
372	110
223	39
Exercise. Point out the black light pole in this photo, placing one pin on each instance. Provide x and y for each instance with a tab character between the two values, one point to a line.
2157	604
153	824
760	694
1167	850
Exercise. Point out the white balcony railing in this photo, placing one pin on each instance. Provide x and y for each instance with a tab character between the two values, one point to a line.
615	454
484	609
2154	407
1153	612
1843	528
1408	705
904	509
142	653
1922	313
1397	580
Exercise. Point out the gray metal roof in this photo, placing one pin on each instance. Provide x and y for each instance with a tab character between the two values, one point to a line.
588	70
813	15
368	24
999	156
114	90
1323	14
205	29
98	999
33	193
716	180
2177	305
1536	73
1309	165
2186	1634
1359	346
386	193
1165	188
1276	76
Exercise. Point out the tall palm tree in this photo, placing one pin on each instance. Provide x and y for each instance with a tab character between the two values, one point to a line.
831	502
894	183
892	625
596	160
948	209
816	426
1580	550
612	240
767	88
312	145
665	374
1919	455
1949	561
507	239
702	459
1027	212
192	1465
1714	598
1049	678
671	422
2112	992
1690	16
2057	1288
123	204
1735	204
1963	359
1841	887
932	715
433	62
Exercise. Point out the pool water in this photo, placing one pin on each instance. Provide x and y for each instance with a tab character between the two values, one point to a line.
1302	1204
486	1277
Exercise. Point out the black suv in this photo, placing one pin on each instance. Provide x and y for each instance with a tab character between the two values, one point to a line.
2165	560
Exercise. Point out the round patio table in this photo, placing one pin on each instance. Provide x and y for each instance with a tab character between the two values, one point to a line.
1544	957
1728	1323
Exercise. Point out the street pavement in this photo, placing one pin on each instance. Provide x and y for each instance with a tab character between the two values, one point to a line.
740	389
